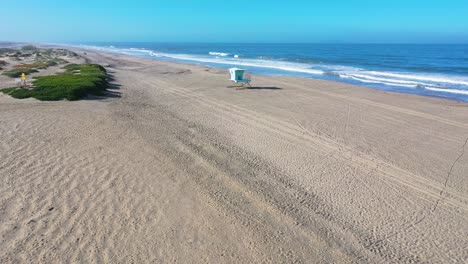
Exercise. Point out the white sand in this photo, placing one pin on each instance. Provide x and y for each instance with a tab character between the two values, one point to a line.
181	168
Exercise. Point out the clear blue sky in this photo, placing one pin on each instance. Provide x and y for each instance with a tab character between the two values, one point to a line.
329	21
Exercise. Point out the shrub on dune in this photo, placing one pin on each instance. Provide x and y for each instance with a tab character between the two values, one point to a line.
29	48
16	72
75	83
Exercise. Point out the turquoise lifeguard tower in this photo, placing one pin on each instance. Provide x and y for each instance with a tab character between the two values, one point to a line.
238	76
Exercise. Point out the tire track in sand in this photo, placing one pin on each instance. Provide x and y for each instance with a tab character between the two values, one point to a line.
376	104
429	188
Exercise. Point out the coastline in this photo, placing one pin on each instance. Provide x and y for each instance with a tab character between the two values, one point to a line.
183	168
394	68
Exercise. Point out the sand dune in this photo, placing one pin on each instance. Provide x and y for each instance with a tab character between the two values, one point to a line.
181	168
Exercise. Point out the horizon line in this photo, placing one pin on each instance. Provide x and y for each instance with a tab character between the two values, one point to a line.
224	42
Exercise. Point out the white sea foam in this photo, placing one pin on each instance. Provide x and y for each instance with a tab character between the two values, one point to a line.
154	54
418	85
138	50
278	65
437	83
222	54
389	83
454	91
374	79
431	78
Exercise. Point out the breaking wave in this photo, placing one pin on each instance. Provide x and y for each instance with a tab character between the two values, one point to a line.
437	84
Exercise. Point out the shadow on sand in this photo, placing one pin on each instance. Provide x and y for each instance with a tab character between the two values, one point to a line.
110	92
255	88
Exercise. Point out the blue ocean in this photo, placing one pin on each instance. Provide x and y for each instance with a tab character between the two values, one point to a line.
428	70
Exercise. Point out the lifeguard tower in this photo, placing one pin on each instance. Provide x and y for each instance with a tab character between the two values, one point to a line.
239	76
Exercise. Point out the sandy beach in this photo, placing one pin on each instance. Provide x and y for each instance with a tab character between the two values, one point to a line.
176	166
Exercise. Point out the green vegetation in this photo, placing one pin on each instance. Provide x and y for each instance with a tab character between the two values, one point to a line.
31	68
5	51
8	90
47	52
75	83
16	72
55	61
41	64
29	48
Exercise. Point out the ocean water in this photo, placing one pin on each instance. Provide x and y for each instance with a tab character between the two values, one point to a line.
429	70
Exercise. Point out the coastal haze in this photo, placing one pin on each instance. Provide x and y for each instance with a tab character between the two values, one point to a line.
176	166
